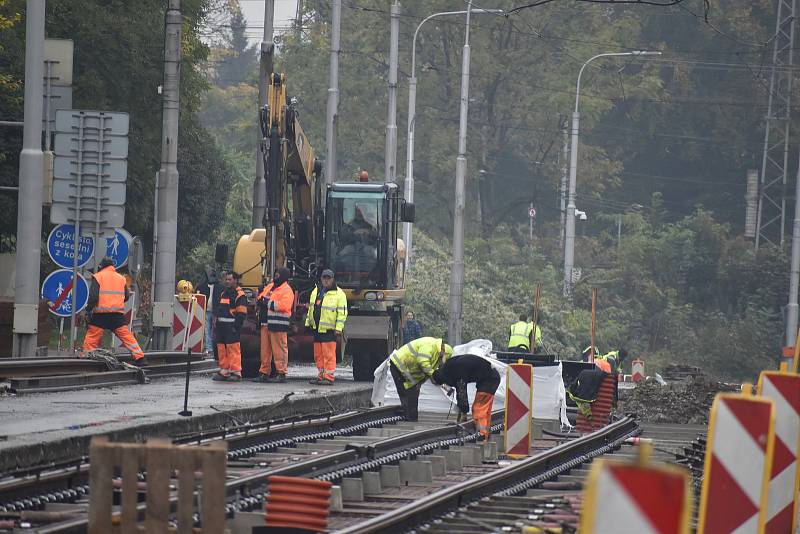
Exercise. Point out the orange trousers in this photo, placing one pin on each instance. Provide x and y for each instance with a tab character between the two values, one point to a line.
274	347
230	358
482	412
325	358
94	337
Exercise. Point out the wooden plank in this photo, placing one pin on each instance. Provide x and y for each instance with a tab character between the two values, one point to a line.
214	457
158	470
101	456
185	460
128	457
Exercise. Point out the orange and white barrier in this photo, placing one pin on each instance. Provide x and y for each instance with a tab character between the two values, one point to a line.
637	497
784	390
519	406
181	339
741	438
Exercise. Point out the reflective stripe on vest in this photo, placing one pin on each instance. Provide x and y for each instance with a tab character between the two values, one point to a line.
226	319
112	291
395	359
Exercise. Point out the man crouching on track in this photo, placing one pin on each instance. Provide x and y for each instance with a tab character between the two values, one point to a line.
230	314
411	365
460	370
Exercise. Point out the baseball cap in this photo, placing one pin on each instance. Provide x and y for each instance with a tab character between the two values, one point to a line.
327	272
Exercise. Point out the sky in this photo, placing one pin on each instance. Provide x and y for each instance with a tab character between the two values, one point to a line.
254	13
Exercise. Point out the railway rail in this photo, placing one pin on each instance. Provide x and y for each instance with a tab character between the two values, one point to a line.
391	474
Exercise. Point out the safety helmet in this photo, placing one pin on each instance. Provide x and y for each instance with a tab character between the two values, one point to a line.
185	287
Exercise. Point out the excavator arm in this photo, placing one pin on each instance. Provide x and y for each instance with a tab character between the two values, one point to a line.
290	172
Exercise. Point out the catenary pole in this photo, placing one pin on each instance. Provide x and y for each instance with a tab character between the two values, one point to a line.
408	189
457	272
569	238
390	171
31	186
794	270
167	222
333	94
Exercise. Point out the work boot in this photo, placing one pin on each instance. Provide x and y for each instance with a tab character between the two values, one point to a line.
219	377
325	382
233	377
314	381
279	379
140	362
262	378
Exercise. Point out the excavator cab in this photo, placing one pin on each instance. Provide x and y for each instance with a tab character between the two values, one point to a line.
362	246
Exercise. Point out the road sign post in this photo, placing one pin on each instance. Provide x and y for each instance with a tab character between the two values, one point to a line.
89	174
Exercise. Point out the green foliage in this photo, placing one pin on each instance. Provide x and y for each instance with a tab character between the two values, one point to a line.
688	292
118	66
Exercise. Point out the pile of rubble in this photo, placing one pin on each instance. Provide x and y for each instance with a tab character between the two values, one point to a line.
681	402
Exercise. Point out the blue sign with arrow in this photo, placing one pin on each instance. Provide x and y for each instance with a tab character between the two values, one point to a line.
61	243
57	290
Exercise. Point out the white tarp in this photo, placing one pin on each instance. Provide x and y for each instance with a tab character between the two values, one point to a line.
549	395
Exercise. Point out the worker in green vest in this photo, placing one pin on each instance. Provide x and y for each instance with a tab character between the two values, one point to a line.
414	363
519	338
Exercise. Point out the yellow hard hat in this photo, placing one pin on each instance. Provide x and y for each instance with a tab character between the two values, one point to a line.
185	287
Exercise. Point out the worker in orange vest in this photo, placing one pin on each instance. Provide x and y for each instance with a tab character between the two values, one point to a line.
105	310
230	313
275	304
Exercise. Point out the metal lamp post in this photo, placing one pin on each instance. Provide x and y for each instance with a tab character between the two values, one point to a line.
412	104
569	241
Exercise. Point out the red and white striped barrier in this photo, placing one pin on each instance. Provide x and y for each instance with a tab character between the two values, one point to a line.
784	390
741	437
180	320
519	406
637	370
130	315
645	499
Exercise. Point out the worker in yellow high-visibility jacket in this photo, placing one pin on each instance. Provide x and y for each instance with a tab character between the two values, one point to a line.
519	338
411	365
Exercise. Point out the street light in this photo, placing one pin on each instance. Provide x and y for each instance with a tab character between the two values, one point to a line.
569	242
412	104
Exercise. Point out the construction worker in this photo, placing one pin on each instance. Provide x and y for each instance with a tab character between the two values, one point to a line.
411	365
519	338
327	313
105	310
460	370
230	313
275	303
614	359
587	352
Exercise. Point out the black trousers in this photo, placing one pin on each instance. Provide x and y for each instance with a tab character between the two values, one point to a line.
409	398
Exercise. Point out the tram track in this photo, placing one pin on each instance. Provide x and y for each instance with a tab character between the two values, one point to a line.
390	474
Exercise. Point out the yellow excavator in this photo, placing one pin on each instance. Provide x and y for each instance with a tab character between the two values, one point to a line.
352	228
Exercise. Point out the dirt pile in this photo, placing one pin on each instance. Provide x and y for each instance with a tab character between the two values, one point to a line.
683	402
